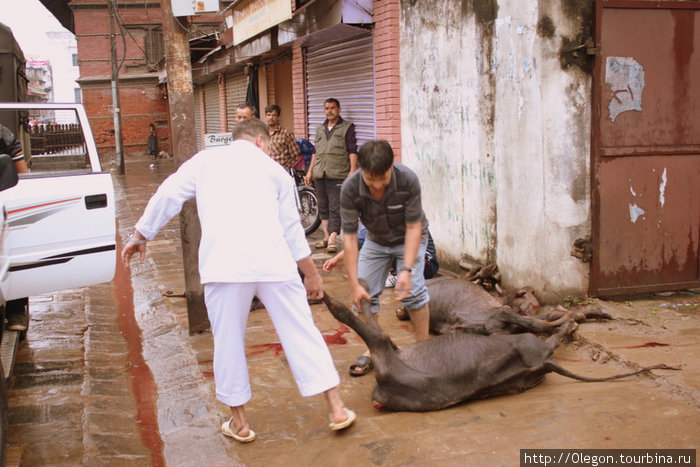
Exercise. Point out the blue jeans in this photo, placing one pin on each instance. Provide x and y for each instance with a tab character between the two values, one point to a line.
374	264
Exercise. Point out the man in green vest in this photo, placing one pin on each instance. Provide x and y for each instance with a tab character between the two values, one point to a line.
334	159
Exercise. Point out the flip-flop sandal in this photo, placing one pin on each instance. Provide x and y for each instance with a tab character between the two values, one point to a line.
351	416
332	248
227	431
362	366
321	244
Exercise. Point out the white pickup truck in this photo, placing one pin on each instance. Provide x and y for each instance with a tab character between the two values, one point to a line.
58	221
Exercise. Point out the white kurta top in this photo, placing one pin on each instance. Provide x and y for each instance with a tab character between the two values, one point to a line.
247	210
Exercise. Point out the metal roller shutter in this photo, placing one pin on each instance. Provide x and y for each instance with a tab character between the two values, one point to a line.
236	86
343	70
211	107
198	123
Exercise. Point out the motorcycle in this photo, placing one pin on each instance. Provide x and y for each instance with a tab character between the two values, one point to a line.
307	204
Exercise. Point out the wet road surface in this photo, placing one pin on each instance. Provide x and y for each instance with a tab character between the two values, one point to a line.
109	375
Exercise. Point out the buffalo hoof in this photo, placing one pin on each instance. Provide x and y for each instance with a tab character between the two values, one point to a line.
402	314
362	366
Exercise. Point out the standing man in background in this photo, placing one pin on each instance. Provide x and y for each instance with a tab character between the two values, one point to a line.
243	112
335	158
283	145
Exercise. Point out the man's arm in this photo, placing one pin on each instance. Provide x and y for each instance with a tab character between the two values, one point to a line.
310	170
410	251
353	162
21	166
137	242
351	249
14	150
351	147
312	279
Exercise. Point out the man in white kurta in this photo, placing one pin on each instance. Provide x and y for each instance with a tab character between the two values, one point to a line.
252	244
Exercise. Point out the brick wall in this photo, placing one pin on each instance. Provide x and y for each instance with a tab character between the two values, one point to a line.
386	73
140	105
142	101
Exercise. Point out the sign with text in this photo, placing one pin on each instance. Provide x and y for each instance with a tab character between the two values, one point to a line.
251	17
217	139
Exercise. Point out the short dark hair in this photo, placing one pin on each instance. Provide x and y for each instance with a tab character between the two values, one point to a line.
250	129
333	100
375	157
272	107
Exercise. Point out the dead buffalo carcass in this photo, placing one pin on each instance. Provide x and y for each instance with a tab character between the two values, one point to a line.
456	366
460	305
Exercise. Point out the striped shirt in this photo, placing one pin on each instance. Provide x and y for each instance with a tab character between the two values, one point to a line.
283	147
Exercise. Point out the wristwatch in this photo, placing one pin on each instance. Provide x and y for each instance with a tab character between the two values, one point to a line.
406	268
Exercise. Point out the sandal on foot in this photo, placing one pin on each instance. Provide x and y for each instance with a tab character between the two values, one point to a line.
227	431
332	248
351	416
321	244
362	366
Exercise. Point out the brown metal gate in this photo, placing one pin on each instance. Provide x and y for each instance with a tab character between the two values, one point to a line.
646	147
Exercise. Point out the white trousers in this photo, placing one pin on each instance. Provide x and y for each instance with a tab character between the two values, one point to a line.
228	306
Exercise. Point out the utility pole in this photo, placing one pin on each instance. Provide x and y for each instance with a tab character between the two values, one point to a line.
116	111
183	137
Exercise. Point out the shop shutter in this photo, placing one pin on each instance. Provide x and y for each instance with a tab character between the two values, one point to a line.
198	123
236	86
211	107
343	70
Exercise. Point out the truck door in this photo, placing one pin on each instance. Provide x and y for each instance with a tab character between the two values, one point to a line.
60	232
60	218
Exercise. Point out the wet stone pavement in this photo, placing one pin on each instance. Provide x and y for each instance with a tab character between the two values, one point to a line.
109	375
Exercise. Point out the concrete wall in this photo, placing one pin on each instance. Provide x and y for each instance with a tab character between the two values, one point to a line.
496	122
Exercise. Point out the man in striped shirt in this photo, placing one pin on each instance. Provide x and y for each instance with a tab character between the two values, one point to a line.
283	145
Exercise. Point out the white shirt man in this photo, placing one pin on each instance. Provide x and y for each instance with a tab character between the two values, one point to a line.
252	244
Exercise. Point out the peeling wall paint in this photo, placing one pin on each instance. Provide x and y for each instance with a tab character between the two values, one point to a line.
635	212
662	189
498	132
625	77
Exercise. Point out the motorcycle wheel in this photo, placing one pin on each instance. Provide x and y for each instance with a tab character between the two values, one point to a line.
308	210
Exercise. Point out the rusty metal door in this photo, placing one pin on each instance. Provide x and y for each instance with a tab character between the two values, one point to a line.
646	147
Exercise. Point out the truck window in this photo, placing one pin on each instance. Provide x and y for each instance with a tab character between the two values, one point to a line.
52	140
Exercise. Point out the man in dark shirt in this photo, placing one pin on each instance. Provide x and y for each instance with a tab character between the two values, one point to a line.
386	197
11	146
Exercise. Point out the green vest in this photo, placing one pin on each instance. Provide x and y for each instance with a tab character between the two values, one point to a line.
332	154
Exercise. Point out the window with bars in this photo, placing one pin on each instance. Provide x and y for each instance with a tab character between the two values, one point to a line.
153	48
